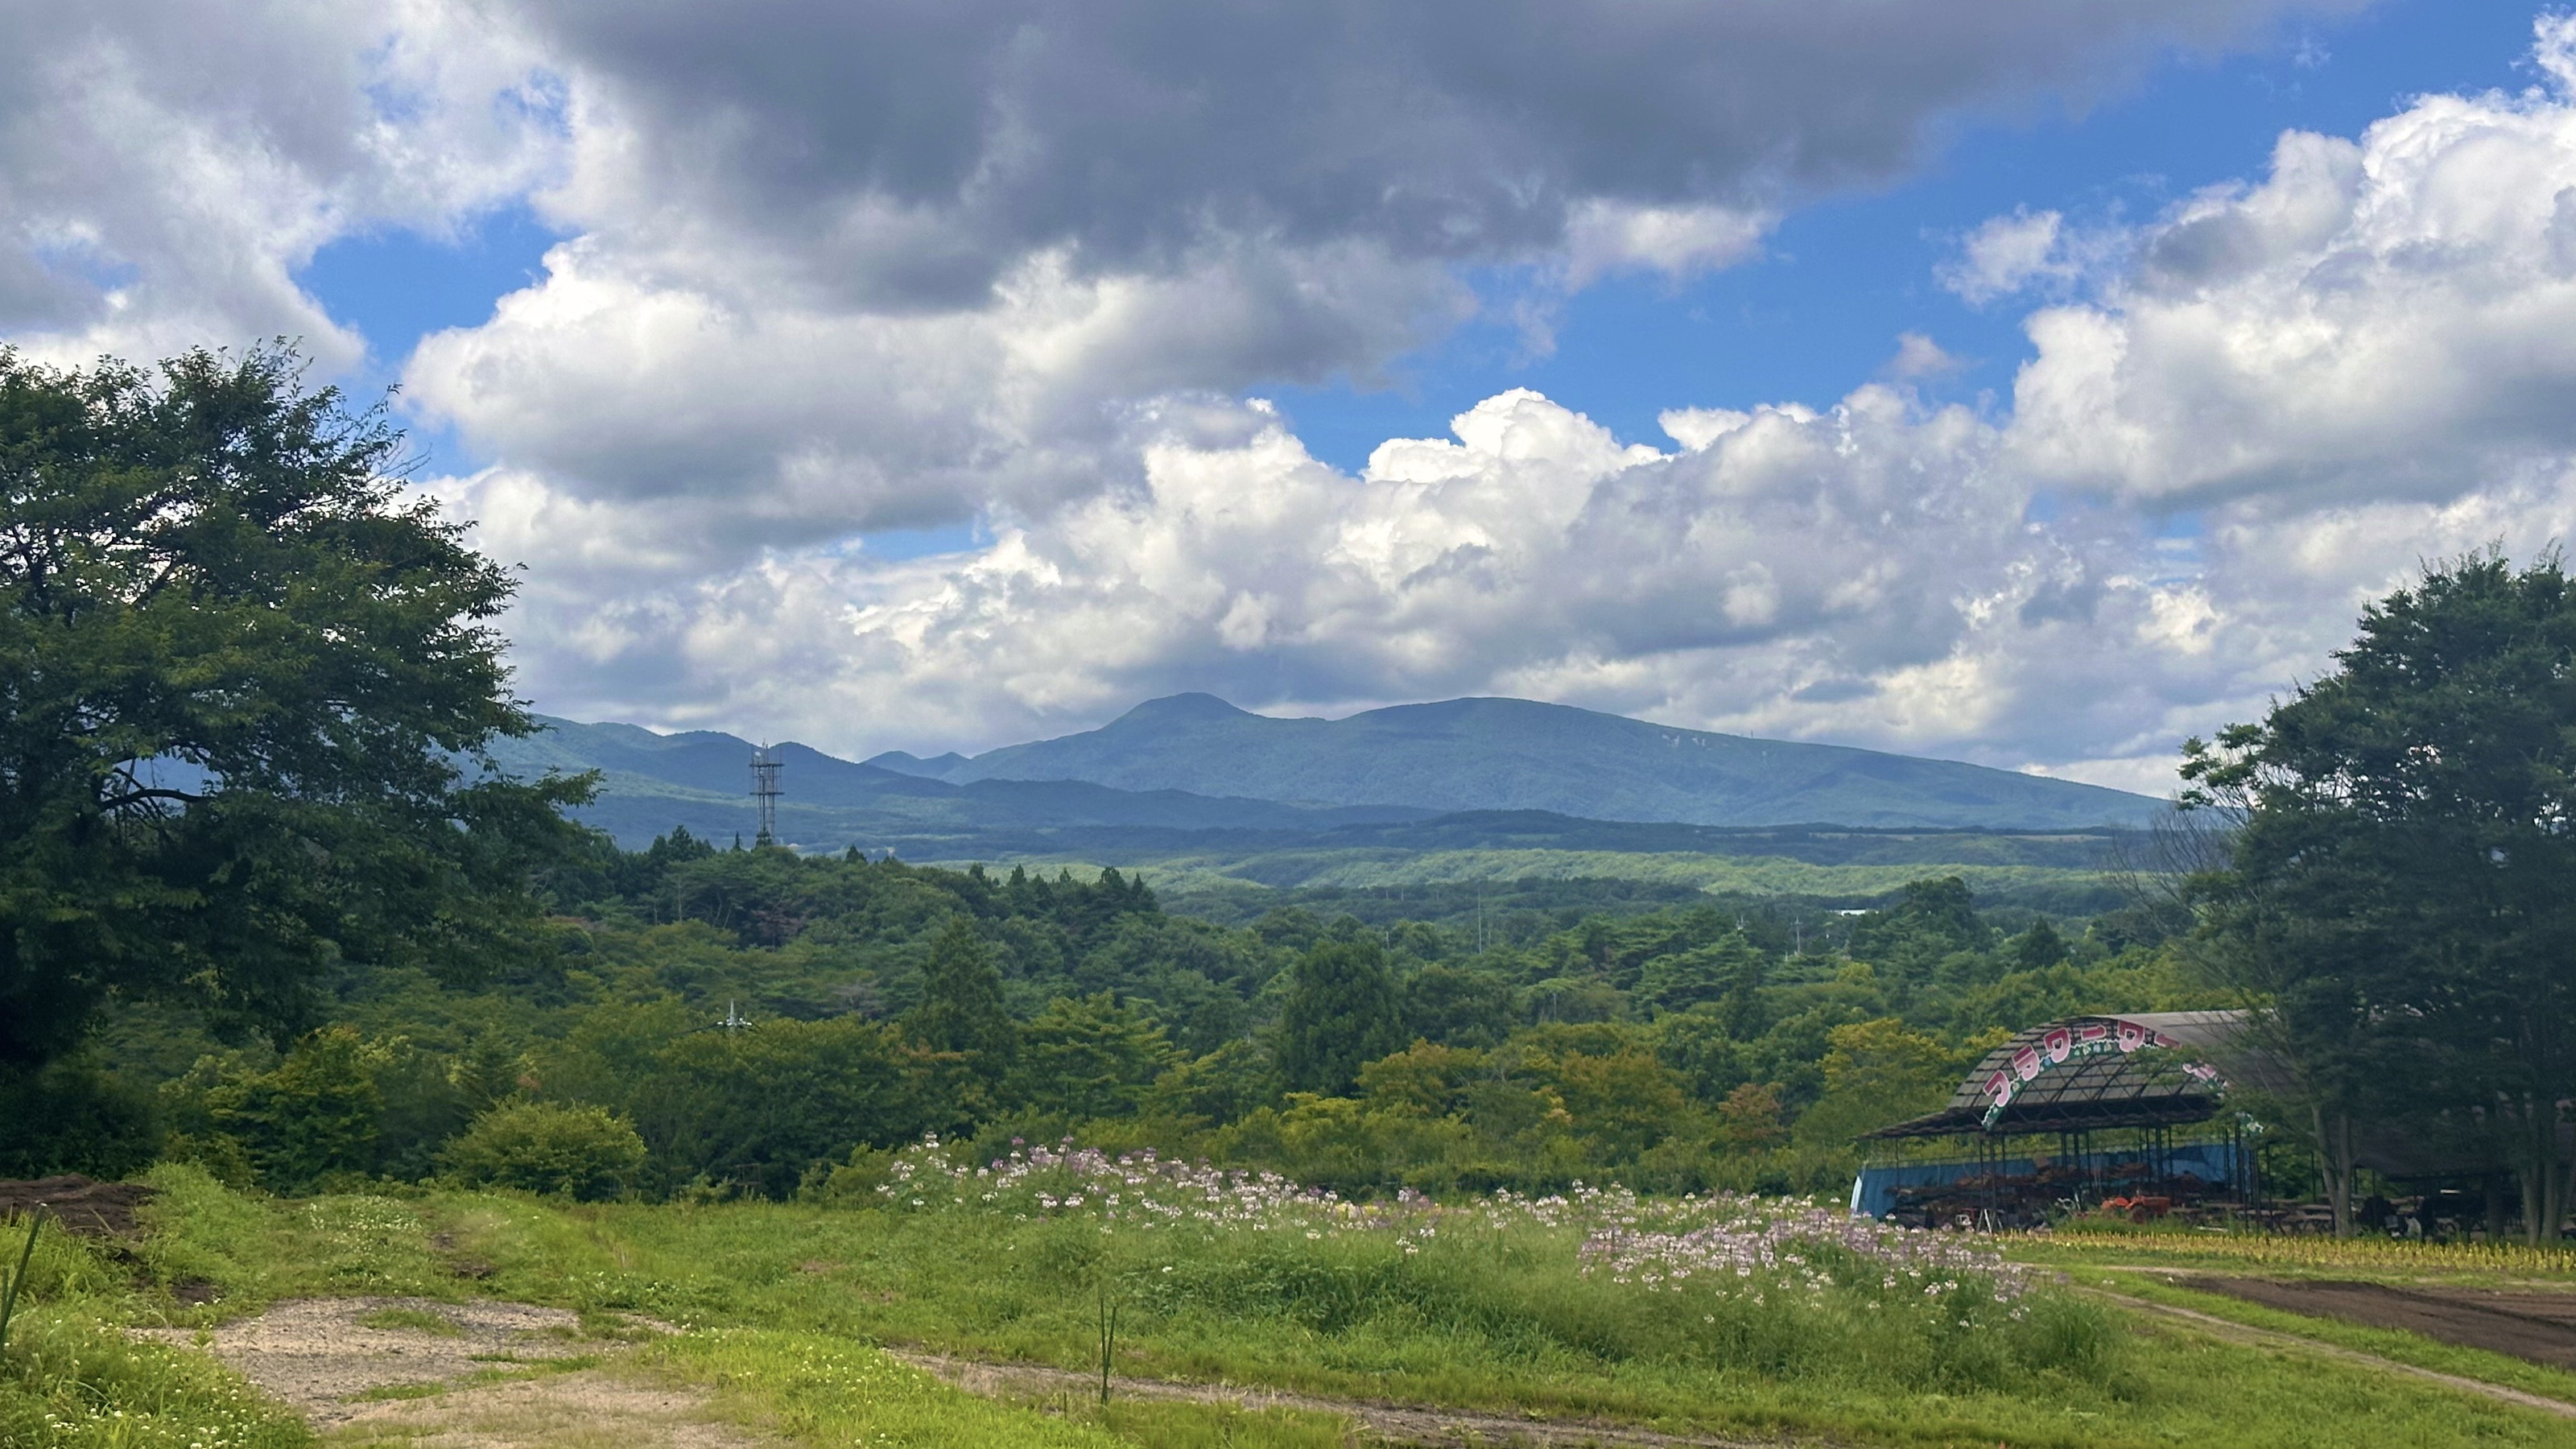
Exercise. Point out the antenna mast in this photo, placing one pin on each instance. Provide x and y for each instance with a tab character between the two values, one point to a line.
765	792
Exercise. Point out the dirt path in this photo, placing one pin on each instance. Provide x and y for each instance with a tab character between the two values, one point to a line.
1400	1423
429	1375
587	1410
2267	1338
484	1375
2538	1327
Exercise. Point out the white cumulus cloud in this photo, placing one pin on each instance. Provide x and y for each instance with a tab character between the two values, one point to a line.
2392	316
166	168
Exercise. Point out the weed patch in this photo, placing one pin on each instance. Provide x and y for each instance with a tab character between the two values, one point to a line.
820	1390
73	1382
415	1320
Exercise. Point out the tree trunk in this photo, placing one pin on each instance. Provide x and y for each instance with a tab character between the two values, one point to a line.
2334	1163
2563	1177
2544	1177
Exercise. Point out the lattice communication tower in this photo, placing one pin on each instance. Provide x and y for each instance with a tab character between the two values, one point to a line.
765	792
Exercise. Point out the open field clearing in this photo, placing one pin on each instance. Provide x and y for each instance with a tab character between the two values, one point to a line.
1744	875
1604	1315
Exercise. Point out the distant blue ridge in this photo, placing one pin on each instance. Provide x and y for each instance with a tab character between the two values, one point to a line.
1192	768
1517	754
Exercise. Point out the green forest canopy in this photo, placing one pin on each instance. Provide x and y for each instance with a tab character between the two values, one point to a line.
1684	1048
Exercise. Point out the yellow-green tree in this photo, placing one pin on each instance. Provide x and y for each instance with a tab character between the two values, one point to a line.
1878	1072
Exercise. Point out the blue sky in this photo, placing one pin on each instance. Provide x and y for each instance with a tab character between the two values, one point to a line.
879	377
1845	275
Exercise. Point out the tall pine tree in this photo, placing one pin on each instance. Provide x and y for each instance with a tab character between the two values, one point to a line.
961	1007
1342	1013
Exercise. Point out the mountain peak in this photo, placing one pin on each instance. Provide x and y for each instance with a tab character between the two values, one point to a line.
1181	708
904	763
1482	754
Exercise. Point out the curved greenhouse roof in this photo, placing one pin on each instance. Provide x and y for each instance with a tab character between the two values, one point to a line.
2144	1069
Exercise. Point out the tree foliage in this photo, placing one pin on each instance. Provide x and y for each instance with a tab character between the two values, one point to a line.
2401	898
584	1153
961	1008
1089	1057
1342	1012
243	677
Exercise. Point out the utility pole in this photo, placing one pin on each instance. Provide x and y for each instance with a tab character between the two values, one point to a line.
764	791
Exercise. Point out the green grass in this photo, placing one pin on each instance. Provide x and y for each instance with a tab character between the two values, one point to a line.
784	1300
416	1320
73	1381
820	1390
253	1251
2389	1343
1496	1327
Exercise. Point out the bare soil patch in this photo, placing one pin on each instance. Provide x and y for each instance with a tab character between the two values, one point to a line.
422	1374
321	1355
586	1410
82	1205
1396	1423
2533	1325
430	1375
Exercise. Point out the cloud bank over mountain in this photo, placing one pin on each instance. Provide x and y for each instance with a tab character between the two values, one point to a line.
835	269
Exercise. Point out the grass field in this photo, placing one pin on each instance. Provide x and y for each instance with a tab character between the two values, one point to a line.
1601	1306
1746	875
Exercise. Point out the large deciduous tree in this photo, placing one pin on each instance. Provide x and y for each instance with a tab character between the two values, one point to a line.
245	680
2401	896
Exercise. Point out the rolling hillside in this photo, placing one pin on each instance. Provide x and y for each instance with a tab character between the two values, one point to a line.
650	783
1513	754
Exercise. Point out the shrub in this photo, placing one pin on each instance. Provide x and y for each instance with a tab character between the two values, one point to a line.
315	1115
71	1117
750	1111
582	1152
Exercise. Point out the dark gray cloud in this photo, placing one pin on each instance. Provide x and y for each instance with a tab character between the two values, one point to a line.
911	150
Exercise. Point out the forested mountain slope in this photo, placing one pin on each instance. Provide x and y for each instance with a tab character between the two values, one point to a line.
701	780
1516	754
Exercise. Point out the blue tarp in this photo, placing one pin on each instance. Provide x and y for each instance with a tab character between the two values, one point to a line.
1874	1191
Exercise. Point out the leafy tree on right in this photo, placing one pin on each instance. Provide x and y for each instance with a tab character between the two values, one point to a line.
2400	899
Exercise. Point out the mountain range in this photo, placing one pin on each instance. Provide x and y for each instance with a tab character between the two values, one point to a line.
1517	754
1193	771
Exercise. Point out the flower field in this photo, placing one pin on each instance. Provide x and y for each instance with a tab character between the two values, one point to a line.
1788	1288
